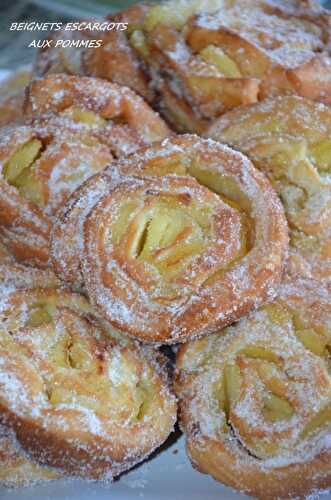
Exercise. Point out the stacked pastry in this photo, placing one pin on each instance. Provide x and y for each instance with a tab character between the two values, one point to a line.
196	59
76	399
118	236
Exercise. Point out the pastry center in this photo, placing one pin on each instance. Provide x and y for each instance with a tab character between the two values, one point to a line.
77	371
19	171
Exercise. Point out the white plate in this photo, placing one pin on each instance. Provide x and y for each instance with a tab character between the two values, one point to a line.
167	476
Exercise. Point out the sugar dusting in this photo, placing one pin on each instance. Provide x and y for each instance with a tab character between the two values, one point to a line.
249	435
282	136
33	378
136	308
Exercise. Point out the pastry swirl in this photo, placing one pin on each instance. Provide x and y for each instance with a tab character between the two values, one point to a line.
115	115
40	166
166	248
289	139
78	397
255	398
116	60
76	127
203	58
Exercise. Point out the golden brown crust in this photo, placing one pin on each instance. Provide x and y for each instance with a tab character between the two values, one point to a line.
288	138
77	396
255	398
115	115
76	125
116	60
67	239
16	468
204	58
39	168
181	244
16	275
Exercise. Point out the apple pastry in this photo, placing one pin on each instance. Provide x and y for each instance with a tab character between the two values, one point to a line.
39	168
255	398
288	138
116	59
76	126
76	396
175	240
115	115
205	57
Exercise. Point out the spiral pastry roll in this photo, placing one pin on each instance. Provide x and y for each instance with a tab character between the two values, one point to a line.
16	468
205	57
115	115
189	238
289	139
40	166
76	396
255	398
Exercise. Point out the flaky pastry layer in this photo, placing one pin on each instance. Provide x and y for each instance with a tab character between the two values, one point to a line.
113	114
288	138
40	166
171	242
16	468
77	396
197	59
255	399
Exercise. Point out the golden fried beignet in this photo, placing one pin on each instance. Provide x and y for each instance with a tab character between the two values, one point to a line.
190	238
255	398
40	166
77	396
206	57
116	60
289	139
16	468
12	94
115	115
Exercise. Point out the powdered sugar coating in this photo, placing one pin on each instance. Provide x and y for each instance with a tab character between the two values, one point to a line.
195	60
234	439
17	469
62	163
120	118
141	298
76	396
288	139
